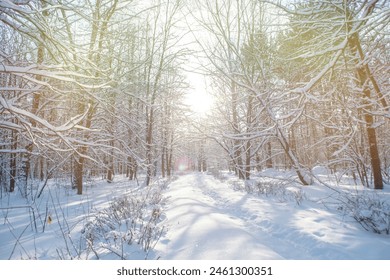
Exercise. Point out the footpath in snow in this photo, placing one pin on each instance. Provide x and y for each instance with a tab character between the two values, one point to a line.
206	219
200	228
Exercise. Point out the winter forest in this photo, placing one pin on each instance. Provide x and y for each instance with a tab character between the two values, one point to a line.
110	110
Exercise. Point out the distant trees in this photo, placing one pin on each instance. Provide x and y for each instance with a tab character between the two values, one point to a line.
160	70
243	60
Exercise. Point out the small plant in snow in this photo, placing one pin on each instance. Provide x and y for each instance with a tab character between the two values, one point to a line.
217	174
372	213
128	221
282	190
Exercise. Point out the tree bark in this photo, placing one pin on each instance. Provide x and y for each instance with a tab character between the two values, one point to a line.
268	162
13	173
78	175
363	79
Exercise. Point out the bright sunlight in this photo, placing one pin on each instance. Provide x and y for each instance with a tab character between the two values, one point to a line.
199	99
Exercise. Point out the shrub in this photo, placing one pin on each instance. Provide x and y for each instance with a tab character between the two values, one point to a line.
369	210
281	190
128	221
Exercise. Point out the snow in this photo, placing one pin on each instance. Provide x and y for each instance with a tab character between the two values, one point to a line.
202	218
202	228
211	221
69	125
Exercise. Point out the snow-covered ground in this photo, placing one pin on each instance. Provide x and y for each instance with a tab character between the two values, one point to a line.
197	217
212	221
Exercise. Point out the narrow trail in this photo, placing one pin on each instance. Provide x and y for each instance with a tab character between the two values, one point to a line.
200	228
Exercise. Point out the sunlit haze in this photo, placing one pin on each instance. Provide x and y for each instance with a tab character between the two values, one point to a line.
199	98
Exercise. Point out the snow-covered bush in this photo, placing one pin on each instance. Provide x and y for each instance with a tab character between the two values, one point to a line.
369	210
282	190
217	174
128	221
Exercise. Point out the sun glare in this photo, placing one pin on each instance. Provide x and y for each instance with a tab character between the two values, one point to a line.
198	98
199	102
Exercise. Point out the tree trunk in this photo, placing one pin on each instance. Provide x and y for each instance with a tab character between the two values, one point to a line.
163	162
78	175
248	160
374	153
110	174
248	155
199	164
268	162
303	176
204	164
237	153
149	146
110	170
363	79
169	163
12	180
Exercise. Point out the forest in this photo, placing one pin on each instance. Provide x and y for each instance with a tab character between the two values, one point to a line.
149	90
98	88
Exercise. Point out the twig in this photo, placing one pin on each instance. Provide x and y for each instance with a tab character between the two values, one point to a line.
155	243
18	242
